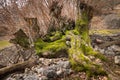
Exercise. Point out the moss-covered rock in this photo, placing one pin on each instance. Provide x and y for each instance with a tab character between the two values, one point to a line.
21	39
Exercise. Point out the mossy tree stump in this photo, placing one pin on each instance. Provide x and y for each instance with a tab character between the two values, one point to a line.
81	54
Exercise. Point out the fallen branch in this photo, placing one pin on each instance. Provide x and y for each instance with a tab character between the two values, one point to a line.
106	44
18	66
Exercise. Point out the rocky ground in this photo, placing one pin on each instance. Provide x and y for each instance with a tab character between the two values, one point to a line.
59	68
110	47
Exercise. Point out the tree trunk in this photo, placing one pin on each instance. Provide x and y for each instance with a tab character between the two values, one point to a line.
81	54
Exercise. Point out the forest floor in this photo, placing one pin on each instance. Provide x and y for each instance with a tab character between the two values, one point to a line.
59	68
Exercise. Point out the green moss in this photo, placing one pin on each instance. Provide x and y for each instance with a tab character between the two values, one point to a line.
54	46
101	57
21	38
82	28
90	68
81	49
57	35
105	31
24	42
52	36
4	44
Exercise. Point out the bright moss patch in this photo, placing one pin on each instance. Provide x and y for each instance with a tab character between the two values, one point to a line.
4	44
52	36
55	46
56	35
105	31
79	56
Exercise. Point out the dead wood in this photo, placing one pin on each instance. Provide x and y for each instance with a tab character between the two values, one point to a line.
106	44
18	66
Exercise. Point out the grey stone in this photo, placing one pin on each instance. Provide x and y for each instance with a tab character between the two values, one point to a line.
117	59
59	73
52	67
63	72
96	47
115	48
68	43
31	77
67	71
109	51
102	51
43	78
112	21
64	64
50	74
40	71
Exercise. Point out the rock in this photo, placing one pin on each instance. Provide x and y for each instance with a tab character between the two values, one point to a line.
48	69
109	51
59	73
31	77
47	54
115	48
102	51
43	78
50	74
117	59
15	77
67	71
96	47
27	70
40	71
112	50
9	55
10	79
112	21
68	43
53	67
98	41
19	77
64	64
63	72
